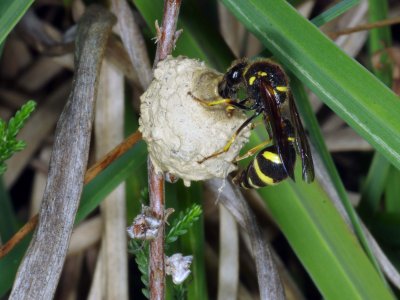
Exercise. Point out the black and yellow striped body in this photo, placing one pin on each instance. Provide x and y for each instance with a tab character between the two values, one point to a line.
266	70
267	93
265	169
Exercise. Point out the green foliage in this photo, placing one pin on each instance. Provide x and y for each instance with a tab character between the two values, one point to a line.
11	11
104	183
8	132
8	219
180	292
182	224
140	249
181	197
333	12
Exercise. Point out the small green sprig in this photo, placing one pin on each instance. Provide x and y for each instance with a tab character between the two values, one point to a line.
180	292
9	145
140	248
182	224
141	251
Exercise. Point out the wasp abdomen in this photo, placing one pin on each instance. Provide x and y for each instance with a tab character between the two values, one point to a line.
266	169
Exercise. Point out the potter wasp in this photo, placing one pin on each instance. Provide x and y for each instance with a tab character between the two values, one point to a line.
267	93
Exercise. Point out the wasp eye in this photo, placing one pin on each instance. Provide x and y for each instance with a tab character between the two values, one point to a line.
234	75
232	80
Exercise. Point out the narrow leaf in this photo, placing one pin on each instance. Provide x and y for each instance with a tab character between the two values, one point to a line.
11	11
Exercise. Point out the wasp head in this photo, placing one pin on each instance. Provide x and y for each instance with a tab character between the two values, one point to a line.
232	80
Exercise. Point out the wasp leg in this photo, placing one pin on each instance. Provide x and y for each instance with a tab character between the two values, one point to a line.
231	140
227	101
253	151
231	107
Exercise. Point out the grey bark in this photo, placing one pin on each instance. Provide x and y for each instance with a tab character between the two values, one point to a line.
39	272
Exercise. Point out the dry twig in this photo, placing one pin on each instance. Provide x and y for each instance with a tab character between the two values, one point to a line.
41	267
268	278
165	45
133	41
108	132
363	27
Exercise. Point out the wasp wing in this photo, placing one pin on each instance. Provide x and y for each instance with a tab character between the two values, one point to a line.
301	143
276	122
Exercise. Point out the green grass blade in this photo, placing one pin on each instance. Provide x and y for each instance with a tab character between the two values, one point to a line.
379	40
345	86
381	173
8	220
317	138
9	265
374	185
392	191
334	12
323	242
386	226
193	242
95	191
11	11
321	238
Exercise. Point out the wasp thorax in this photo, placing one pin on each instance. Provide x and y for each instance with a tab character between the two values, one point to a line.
180	131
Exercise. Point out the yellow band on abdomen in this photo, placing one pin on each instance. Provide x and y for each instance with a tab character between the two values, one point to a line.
271	156
264	178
